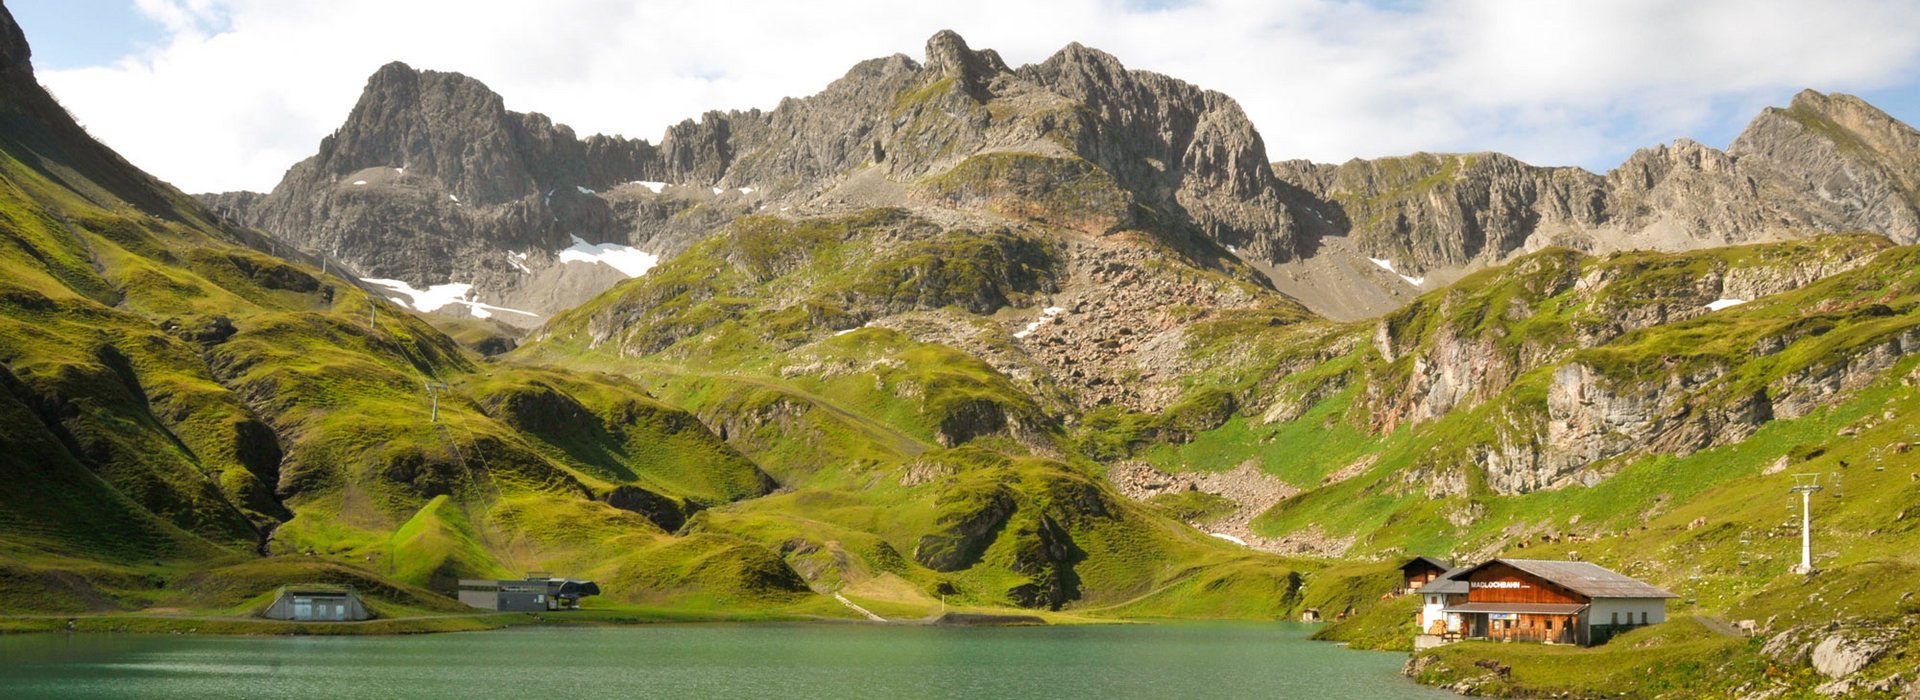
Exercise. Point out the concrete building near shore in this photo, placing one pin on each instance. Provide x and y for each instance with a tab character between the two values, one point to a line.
317	602
537	592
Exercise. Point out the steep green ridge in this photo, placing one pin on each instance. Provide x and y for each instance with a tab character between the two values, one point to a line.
913	473
178	402
887	404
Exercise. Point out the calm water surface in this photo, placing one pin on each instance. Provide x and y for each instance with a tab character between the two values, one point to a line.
699	661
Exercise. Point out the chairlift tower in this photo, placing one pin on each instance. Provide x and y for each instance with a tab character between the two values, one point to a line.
1805	485
433	393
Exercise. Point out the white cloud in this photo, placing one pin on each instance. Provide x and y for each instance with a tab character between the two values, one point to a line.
244	88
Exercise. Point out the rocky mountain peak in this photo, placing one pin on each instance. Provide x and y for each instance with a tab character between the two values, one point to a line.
1078	56
15	55
1179	145
949	57
1852	164
446	126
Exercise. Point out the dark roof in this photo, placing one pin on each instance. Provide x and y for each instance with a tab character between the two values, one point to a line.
1447	583
574	586
1429	561
1580	577
1522	608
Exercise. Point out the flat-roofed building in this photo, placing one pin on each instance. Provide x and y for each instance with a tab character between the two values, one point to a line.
317	602
536	593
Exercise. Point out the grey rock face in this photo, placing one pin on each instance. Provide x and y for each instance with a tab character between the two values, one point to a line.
1588	416
432	180
455	184
1425	211
1840	656
1826	163
1190	150
1848	162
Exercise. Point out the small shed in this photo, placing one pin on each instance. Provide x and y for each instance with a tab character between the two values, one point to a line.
1419	571
317	602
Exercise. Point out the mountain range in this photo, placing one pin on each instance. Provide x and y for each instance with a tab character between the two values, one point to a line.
494	194
1059	337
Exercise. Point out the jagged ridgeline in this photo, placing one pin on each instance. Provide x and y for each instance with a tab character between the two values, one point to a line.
431	181
181	398
1639	408
195	414
950	331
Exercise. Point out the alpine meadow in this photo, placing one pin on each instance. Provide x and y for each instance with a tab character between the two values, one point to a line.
956	343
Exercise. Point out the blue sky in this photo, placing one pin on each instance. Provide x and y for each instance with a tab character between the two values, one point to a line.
1554	82
81	33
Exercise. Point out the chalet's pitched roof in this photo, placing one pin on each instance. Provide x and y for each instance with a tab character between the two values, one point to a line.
1447	583
1429	561
1578	576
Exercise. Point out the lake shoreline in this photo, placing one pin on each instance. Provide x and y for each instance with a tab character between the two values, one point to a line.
1224	659
238	626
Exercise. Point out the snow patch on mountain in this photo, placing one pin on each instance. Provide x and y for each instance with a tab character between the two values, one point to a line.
630	261
1047	315
438	296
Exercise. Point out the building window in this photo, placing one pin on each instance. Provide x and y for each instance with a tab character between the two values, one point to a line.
1616	617
1549	624
1643	617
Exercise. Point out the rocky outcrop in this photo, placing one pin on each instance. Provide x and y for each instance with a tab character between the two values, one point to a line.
431	180
1855	167
666	513
1591	418
1183	148
1427	211
1841	656
1447	353
1839	651
1826	163
969	522
1044	552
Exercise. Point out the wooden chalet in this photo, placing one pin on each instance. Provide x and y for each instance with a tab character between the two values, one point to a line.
1555	602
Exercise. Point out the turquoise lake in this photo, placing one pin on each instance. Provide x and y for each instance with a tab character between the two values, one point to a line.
1239	660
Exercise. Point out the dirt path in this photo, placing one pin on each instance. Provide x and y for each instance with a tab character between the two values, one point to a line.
1720	626
1149	594
856	608
906	444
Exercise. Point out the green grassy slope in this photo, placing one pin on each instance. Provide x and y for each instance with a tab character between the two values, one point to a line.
177	402
1700	507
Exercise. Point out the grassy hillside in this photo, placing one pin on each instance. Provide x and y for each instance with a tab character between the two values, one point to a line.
179	402
1691	493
